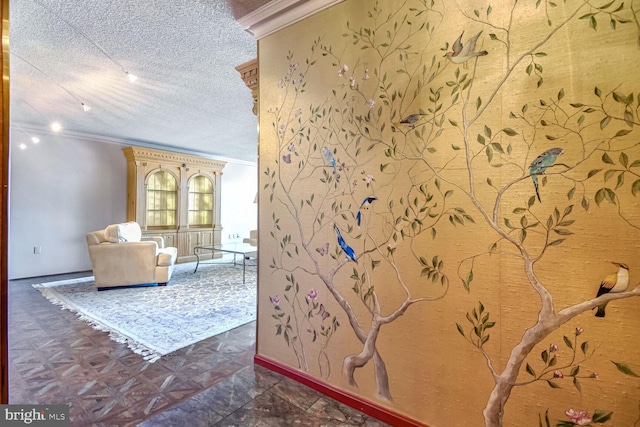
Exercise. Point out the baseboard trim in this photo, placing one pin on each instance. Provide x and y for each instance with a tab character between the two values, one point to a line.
379	412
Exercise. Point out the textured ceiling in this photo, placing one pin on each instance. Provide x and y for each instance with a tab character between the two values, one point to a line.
188	94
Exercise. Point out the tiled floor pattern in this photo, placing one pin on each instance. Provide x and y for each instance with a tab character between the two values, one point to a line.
55	358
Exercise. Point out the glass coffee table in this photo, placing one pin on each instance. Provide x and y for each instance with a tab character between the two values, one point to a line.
244	249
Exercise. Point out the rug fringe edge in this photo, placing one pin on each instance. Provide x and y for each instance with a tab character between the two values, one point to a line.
147	354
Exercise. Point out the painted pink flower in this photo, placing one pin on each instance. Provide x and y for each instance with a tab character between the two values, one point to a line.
371	103
558	374
580	418
276	301
352	81
298	112
553	348
366	74
312	294
579	330
368	179
595	375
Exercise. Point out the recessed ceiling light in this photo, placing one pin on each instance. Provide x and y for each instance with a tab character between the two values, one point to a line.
131	77
85	107
35	140
56	127
22	146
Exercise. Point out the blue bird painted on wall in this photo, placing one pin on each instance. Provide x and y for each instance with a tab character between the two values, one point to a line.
346	248
330	160
365	203
540	165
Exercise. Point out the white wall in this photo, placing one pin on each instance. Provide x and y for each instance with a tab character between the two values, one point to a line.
65	186
60	189
239	214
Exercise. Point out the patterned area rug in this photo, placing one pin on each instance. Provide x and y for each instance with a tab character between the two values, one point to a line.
154	321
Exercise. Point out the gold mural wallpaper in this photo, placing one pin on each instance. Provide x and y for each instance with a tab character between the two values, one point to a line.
449	208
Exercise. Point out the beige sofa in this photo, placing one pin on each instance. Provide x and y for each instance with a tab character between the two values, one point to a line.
120	256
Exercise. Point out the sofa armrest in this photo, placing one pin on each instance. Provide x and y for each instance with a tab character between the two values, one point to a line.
158	239
167	256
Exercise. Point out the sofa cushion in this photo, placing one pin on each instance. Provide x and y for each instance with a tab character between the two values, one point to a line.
125	232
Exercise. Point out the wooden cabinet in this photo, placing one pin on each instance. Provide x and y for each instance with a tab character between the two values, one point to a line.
176	196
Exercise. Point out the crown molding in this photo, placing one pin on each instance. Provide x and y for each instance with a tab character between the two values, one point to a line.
279	14
88	137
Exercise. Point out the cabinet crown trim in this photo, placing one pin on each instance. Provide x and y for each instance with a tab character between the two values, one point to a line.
135	153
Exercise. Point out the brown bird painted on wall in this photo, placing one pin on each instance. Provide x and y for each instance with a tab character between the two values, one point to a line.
613	283
464	52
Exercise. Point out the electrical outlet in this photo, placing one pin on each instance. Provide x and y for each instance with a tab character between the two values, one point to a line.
37	250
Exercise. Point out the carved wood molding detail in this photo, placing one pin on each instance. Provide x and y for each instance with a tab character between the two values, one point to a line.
249	74
149	154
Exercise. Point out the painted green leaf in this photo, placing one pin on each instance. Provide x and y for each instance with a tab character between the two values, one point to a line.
510	131
552	384
530	370
607	159
625	369
568	342
601	416
604	122
460	329
618	97
577	385
489	152
610	195
593	172
584	347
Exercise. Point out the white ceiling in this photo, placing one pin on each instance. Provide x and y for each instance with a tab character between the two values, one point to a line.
188	94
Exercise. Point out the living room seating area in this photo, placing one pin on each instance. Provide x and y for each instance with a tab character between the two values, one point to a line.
120	256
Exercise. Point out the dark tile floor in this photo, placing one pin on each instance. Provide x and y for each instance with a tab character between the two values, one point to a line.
55	358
